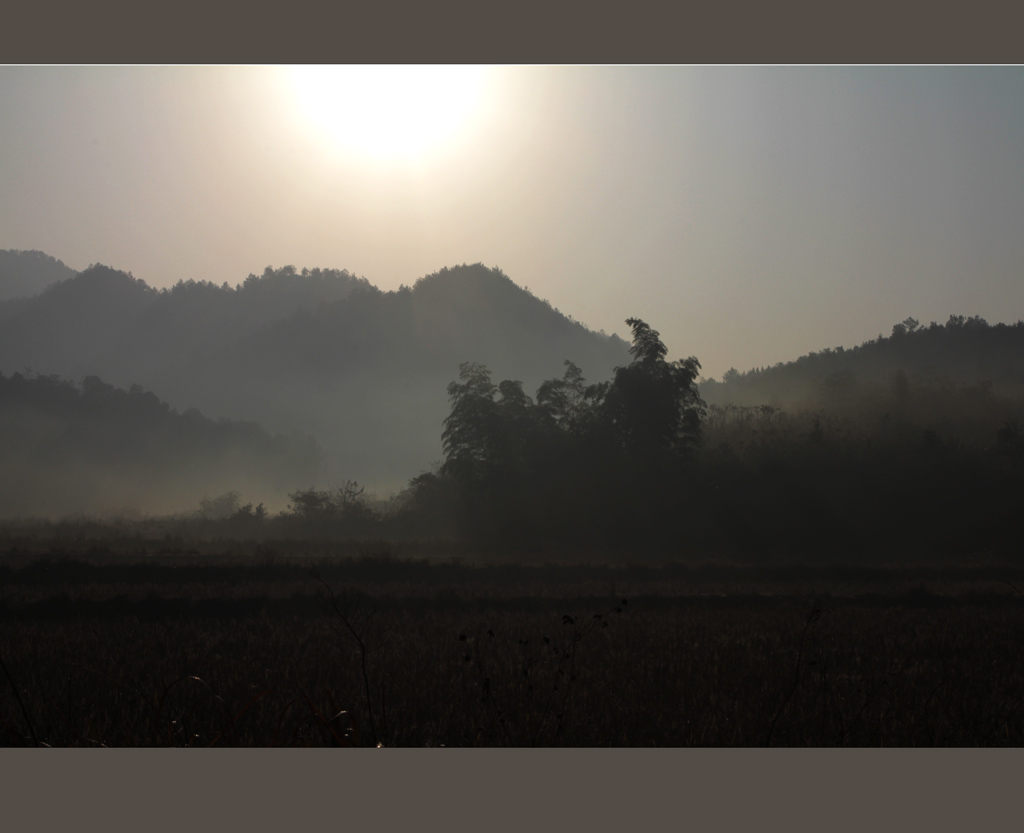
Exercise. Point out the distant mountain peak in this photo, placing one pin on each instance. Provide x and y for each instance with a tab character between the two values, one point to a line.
27	273
99	274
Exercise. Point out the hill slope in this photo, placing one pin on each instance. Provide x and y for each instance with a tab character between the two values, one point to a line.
320	351
95	449
963	353
23	274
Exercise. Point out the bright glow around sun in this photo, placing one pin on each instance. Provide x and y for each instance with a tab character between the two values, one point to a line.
388	112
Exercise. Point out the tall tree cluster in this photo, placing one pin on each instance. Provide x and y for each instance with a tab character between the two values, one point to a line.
578	459
641	466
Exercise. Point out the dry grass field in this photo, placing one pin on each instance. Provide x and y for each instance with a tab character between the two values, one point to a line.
101	648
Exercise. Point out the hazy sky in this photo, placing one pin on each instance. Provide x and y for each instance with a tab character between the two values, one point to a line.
749	214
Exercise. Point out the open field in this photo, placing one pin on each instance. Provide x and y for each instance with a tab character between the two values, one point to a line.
106	647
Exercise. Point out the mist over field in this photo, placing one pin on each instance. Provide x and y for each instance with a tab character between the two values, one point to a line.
464	408
304	353
434	364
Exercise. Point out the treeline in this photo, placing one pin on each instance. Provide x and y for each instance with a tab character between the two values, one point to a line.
109	322
95	448
580	463
965	352
641	467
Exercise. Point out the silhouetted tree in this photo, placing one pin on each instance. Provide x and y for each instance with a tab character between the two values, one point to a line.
470	431
652	405
568	402
582	460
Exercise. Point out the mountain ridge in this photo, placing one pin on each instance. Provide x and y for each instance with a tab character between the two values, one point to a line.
92	448
321	351
963	352
27	273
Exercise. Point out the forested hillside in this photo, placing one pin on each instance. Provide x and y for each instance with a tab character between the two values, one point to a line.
639	466
964	353
23	274
108	322
68	449
318	351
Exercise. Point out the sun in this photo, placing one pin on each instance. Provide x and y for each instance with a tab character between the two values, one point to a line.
387	112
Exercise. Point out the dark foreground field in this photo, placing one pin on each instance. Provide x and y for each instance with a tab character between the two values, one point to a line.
206	650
